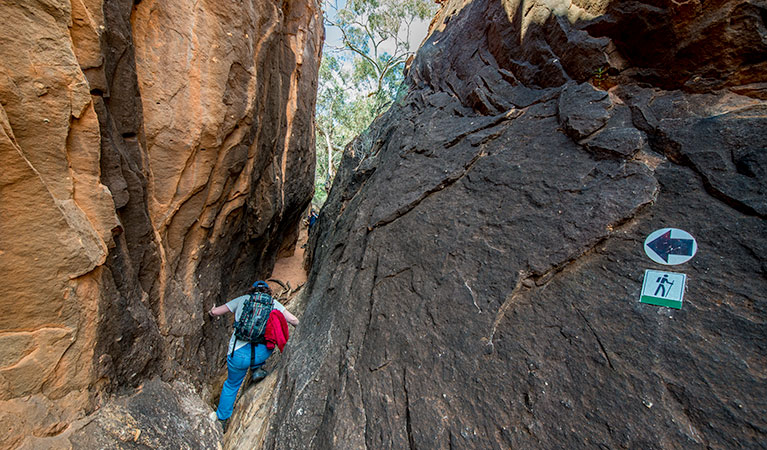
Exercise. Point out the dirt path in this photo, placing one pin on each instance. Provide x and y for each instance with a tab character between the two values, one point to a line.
290	270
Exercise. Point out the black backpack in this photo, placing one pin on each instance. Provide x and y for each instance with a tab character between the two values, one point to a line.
253	318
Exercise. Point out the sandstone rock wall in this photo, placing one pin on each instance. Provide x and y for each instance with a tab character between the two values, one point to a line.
156	156
478	264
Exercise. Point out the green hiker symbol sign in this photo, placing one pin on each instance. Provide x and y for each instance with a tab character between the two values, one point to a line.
663	288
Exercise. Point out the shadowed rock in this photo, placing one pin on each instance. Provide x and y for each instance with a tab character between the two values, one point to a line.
157	415
478	264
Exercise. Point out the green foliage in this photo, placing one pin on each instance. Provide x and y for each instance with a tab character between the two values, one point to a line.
600	73
359	79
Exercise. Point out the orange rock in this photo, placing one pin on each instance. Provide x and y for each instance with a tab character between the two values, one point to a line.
154	157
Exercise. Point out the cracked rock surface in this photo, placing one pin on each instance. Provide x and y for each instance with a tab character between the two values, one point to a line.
477	267
156	415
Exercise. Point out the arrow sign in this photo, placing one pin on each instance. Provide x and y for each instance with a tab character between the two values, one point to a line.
670	246
664	245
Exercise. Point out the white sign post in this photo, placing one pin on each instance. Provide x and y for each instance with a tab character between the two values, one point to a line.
663	288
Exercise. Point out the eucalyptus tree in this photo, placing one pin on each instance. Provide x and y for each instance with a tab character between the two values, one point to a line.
362	71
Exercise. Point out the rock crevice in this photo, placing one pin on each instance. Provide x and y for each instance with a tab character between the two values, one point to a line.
157	156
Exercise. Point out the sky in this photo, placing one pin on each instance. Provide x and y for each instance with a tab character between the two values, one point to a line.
333	35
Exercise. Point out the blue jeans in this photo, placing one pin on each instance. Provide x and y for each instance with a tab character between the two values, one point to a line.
238	364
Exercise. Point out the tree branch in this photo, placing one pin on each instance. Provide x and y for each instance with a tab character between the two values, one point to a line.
351	46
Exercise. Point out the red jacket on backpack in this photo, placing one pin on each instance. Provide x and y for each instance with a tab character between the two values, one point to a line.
276	330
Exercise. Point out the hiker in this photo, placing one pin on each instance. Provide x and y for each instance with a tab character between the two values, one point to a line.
267	314
312	218
661	287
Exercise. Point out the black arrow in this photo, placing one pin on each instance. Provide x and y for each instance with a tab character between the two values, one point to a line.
663	245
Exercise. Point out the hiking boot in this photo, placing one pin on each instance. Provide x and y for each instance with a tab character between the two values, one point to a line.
223	423
259	374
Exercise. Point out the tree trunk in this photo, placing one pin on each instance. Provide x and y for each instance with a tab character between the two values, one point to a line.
330	161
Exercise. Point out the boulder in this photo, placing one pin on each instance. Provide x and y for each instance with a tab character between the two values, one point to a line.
156	415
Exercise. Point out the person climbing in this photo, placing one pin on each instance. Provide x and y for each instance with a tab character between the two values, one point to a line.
312	218
256	310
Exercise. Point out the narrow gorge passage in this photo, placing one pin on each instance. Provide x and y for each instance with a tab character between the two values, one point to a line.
475	274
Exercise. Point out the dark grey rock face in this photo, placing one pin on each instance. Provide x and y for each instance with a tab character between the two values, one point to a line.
583	110
477	268
157	415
